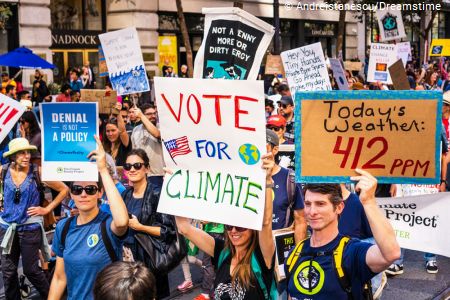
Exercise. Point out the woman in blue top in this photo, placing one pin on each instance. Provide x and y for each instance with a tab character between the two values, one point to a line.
21	231
83	253
142	201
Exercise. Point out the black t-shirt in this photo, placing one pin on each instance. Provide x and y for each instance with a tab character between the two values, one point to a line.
223	288
122	153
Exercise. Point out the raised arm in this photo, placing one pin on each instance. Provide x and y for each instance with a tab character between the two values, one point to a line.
201	239
124	138
146	122
119	211
266	242
386	250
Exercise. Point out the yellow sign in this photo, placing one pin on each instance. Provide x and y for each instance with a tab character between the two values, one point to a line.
168	54
440	47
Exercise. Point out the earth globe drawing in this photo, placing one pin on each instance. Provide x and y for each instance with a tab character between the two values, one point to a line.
249	154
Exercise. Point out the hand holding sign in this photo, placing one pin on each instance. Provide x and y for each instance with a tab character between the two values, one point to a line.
367	184
99	155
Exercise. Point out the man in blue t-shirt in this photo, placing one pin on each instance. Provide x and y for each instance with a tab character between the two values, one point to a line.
311	268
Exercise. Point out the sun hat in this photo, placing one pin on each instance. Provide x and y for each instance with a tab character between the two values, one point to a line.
19	144
446	98
27	103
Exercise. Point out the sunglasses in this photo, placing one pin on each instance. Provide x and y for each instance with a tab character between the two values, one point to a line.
137	166
17	195
89	189
274	128
238	229
284	105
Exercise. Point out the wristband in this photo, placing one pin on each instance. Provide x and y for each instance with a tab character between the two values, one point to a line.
269	185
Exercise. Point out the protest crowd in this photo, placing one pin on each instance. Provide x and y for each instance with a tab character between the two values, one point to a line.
107	239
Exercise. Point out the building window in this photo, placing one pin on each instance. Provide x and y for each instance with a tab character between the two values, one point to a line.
438	30
76	14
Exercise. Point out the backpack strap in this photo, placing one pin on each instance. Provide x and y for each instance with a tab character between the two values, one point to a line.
40	186
65	231
292	259
338	255
5	168
272	293
290	186
223	255
107	242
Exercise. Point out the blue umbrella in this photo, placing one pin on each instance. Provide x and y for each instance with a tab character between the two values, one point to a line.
24	58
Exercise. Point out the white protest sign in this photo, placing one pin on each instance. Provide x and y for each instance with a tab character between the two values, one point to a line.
214	135
10	112
234	44
390	23
306	69
420	222
382	56
404	52
123	57
339	74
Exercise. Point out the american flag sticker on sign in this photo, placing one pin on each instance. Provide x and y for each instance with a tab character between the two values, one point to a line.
179	146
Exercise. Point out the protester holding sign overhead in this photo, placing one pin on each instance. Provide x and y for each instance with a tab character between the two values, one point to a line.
317	266
87	243
21	221
117	142
244	262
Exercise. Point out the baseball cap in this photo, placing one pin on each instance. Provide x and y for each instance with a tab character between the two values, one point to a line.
276	120
272	138
287	100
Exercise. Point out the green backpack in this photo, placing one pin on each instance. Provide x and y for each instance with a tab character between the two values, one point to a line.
271	294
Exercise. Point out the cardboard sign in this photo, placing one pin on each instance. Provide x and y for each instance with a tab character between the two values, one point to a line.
339	74
306	69
382	56
404	52
124	59
10	112
233	46
68	131
106	100
168	52
395	135
284	242
440	47
390	23
102	67
214	135
398	75
420	222
353	65
274	65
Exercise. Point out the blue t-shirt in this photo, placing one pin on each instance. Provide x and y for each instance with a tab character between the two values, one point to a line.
324	281
29	197
104	206
134	207
84	254
353	220
281	200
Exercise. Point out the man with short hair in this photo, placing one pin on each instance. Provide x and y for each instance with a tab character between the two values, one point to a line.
11	91
283	90
148	137
315	270
40	90
286	105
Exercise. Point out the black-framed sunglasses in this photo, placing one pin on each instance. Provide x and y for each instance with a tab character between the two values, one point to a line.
17	195
137	166
89	189
274	128
238	229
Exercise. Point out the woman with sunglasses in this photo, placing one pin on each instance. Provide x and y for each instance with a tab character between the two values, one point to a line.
142	201
115	139
83	253
21	223
234	277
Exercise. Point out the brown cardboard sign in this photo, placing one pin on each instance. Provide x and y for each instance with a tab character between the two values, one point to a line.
353	65
274	65
398	75
106	100
394	135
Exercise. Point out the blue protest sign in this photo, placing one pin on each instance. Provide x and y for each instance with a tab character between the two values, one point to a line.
67	139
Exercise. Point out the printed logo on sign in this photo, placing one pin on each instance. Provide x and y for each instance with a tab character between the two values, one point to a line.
307	273
92	240
249	154
390	25
59	169
437	49
382	76
179	146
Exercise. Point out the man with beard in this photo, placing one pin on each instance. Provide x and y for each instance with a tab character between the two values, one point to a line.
148	137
